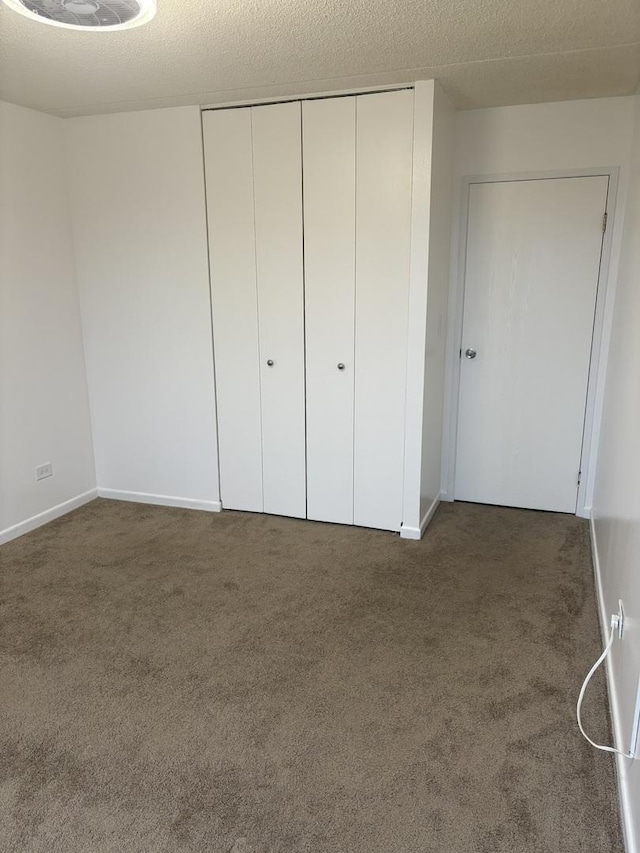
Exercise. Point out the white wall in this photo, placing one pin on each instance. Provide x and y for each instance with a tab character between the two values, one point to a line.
44	411
141	249
438	278
616	506
429	283
532	137
552	137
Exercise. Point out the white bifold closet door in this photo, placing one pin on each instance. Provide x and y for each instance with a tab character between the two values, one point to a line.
384	155
358	154
329	144
254	200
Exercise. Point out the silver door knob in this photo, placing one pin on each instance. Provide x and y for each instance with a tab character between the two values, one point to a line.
269	362
340	366
470	353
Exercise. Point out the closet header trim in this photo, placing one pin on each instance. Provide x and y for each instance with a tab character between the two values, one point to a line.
245	104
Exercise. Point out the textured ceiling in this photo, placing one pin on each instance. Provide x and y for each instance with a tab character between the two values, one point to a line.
485	52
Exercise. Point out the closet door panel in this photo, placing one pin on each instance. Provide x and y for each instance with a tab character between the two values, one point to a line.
329	146
383	227
277	164
229	183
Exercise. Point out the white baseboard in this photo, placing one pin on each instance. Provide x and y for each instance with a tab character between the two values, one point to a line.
36	521
418	532
160	500
583	512
632	843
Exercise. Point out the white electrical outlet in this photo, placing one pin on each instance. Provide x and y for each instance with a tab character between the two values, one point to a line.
620	619
44	471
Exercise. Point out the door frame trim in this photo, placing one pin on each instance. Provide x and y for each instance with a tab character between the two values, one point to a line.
599	344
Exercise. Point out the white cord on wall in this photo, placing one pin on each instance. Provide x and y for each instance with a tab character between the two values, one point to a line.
615	624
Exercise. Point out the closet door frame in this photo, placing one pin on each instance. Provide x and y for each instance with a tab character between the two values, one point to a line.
414	521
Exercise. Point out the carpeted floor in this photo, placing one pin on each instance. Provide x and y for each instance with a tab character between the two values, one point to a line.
180	681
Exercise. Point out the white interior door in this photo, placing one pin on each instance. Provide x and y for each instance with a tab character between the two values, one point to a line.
277	173
384	158
532	266
229	180
329	145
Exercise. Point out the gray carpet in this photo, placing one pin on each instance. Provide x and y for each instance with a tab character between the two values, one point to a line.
179	681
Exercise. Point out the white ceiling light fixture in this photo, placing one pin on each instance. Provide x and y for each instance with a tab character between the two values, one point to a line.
96	15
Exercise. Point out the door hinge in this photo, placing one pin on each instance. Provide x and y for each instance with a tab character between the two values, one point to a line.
604	221
579	477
